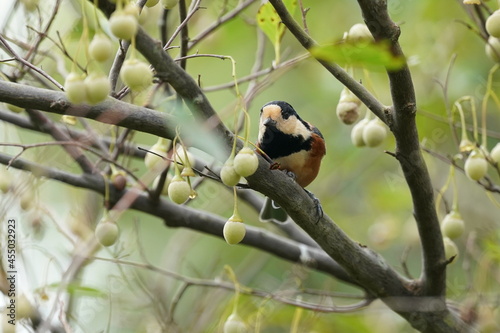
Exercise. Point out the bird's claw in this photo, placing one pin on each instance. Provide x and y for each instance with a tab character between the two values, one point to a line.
317	204
290	174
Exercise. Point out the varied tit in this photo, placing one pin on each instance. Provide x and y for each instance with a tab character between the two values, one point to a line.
293	144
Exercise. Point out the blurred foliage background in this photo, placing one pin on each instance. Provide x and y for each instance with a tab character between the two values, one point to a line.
362	189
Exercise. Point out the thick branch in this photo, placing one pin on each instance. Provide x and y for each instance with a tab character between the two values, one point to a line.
369	270
110	111
184	216
408	152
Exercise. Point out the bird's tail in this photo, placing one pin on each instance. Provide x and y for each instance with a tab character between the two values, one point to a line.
271	212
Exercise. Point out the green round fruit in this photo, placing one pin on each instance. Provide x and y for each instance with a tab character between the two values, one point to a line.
492	49
151	3
14	108
74	87
234	324
179	190
97	87
476	166
5	180
495	153
24	308
228	175
374	133
136	75
359	32
160	148
450	248
119	180
123	25
100	48
234	231
246	162
453	225
493	24
347	112
357	133
169	4
107	232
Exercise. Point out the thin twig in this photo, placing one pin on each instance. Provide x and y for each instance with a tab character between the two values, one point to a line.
196	6
28	64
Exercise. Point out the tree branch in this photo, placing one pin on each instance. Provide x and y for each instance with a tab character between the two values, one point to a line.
110	111
433	317
187	217
408	152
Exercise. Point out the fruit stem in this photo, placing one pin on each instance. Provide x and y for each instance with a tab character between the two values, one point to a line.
489	93
236	214
454	206
296	319
99	28
443	189
232	276
241	102
457	106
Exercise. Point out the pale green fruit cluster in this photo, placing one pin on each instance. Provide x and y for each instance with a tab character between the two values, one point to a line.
492	25
370	133
93	89
244	164
136	75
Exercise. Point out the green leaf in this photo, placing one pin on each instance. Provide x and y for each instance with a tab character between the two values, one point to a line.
360	54
270	22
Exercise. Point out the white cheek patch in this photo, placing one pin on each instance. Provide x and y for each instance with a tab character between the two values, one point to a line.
294	127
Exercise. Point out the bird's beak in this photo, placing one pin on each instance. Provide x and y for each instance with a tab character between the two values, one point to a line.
269	122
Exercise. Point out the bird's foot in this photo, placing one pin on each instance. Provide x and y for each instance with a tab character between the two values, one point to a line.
317	204
290	174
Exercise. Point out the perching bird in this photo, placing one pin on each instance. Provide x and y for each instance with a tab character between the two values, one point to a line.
294	144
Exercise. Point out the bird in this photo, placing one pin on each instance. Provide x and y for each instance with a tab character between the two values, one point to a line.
294	145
